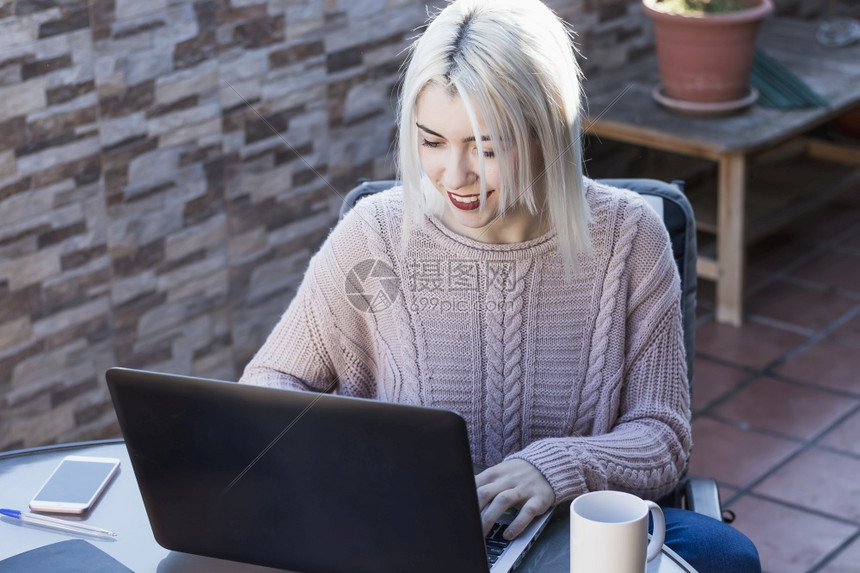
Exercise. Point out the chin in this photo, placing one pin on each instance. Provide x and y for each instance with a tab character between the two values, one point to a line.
473	220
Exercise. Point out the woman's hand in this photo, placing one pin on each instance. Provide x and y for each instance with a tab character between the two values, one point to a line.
513	483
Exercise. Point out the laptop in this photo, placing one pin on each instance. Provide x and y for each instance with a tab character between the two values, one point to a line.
304	481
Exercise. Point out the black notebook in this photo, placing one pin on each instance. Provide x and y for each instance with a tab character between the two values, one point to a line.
72	556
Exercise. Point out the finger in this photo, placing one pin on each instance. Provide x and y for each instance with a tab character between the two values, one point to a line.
488	492
493	485
489	517
529	511
499	505
492	482
489	475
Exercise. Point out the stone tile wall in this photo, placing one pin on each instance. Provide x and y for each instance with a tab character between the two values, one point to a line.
167	167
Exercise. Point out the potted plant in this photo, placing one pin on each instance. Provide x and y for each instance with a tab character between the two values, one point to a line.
705	48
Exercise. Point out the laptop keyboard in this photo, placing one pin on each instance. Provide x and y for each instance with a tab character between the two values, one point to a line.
496	543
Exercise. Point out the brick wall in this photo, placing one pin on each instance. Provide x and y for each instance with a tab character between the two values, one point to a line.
167	167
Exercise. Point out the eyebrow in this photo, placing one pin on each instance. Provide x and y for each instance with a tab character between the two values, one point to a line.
439	135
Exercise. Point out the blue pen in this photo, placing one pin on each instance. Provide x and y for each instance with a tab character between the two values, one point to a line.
59	524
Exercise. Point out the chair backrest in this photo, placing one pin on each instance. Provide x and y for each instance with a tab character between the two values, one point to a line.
364	188
670	203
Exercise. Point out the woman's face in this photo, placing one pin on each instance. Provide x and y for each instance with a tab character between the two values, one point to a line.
449	157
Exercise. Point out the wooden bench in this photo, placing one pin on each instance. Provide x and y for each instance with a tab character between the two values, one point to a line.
620	107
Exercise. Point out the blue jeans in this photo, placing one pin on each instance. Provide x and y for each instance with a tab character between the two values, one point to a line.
709	545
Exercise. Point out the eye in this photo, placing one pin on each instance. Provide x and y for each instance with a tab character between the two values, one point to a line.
488	153
430	144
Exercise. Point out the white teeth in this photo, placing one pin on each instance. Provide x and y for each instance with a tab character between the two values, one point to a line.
470	199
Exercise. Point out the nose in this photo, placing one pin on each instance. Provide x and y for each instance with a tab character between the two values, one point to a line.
459	171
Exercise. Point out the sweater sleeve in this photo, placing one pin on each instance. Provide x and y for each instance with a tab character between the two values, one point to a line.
323	341
640	439
294	355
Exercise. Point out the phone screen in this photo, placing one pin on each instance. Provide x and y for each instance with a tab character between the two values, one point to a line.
74	484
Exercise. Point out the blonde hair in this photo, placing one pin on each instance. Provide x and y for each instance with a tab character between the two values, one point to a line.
513	64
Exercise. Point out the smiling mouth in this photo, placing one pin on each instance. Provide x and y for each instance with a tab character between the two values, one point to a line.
467	202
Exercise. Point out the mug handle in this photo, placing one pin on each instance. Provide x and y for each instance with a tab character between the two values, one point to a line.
658	533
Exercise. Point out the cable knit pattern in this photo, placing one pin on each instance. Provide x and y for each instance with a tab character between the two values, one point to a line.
495	360
603	329
513	372
585	378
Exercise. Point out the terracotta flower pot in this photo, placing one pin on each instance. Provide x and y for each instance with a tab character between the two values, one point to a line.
706	57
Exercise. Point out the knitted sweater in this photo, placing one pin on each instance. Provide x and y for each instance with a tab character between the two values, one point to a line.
585	378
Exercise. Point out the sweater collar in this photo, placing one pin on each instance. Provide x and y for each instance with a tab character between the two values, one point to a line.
467	247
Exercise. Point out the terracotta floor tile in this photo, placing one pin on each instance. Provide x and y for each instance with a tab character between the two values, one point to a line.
799	305
733	456
786	408
832	221
775	252
819	480
844	437
755	345
756	277
823	251
834	268
827	362
846	561
788	540
849	331
712	380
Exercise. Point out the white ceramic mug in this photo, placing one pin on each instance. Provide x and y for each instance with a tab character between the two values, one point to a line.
609	532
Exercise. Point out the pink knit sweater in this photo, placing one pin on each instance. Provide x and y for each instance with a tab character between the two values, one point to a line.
584	380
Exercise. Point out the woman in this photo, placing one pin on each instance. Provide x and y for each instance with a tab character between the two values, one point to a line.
500	283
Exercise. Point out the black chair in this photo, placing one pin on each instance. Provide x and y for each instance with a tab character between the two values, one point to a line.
697	494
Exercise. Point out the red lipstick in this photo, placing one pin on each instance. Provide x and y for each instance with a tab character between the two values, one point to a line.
470	203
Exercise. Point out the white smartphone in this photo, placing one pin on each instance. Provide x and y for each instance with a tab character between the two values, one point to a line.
75	484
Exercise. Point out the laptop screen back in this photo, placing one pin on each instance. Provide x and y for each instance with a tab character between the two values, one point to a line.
298	480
